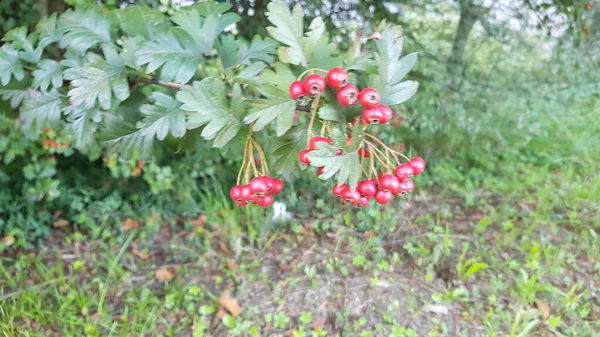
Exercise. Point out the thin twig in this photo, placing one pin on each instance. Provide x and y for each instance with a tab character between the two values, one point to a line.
164	84
35	287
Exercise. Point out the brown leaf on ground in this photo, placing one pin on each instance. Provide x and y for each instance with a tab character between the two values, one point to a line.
165	273
225	249
95	317
230	304
130	224
306	229
61	223
370	234
7	240
141	254
318	323
232	265
199	222
544	308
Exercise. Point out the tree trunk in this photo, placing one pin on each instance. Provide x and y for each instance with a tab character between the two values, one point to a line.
52	6
468	16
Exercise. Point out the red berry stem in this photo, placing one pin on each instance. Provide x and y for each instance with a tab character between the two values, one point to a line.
238	182
310	70
385	146
381	158
263	160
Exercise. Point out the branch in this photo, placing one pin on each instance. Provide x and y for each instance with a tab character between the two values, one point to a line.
164	84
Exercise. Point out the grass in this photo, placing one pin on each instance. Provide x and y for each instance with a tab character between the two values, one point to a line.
513	255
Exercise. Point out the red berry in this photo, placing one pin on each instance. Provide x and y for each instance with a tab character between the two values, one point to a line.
369	97
265	200
418	165
383	197
260	185
236	193
320	170
314	84
276	186
303	156
363	152
350	196
241	203
389	182
348	95
362	202
339	152
404	171
312	145
337	78
339	189
297	90
407	186
247	193
372	116
368	188
386	112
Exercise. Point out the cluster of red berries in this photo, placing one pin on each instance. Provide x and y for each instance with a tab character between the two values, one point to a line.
384	187
347	95
259	191
49	143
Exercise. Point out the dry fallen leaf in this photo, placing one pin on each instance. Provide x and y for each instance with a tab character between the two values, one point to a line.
306	229
230	304
61	223
7	240
225	249
130	224
142	255
544	308
165	273
318	323
232	265
370	234
199	222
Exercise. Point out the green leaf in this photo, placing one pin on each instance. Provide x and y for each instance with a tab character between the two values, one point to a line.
264	111
204	25
285	151
392	68
365	64
179	64
49	72
82	30
238	103
98	82
281	76
288	30
330	113
10	65
47	31
162	117
474	268
82	125
19	39
40	107
250	74
314	35
206	104
259	50
126	140
322	56
347	165
15	96
142	21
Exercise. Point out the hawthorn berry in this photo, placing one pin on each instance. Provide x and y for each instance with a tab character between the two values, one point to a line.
337	78
372	116
312	145
362	202
320	170
348	95
389	182
418	165
369	97
407	186
339	189
364	152
303	156
404	171
350	195
314	84
247	194
265	200
276	186
241	203
236	193
386	113
297	90
368	188
260	186
383	197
